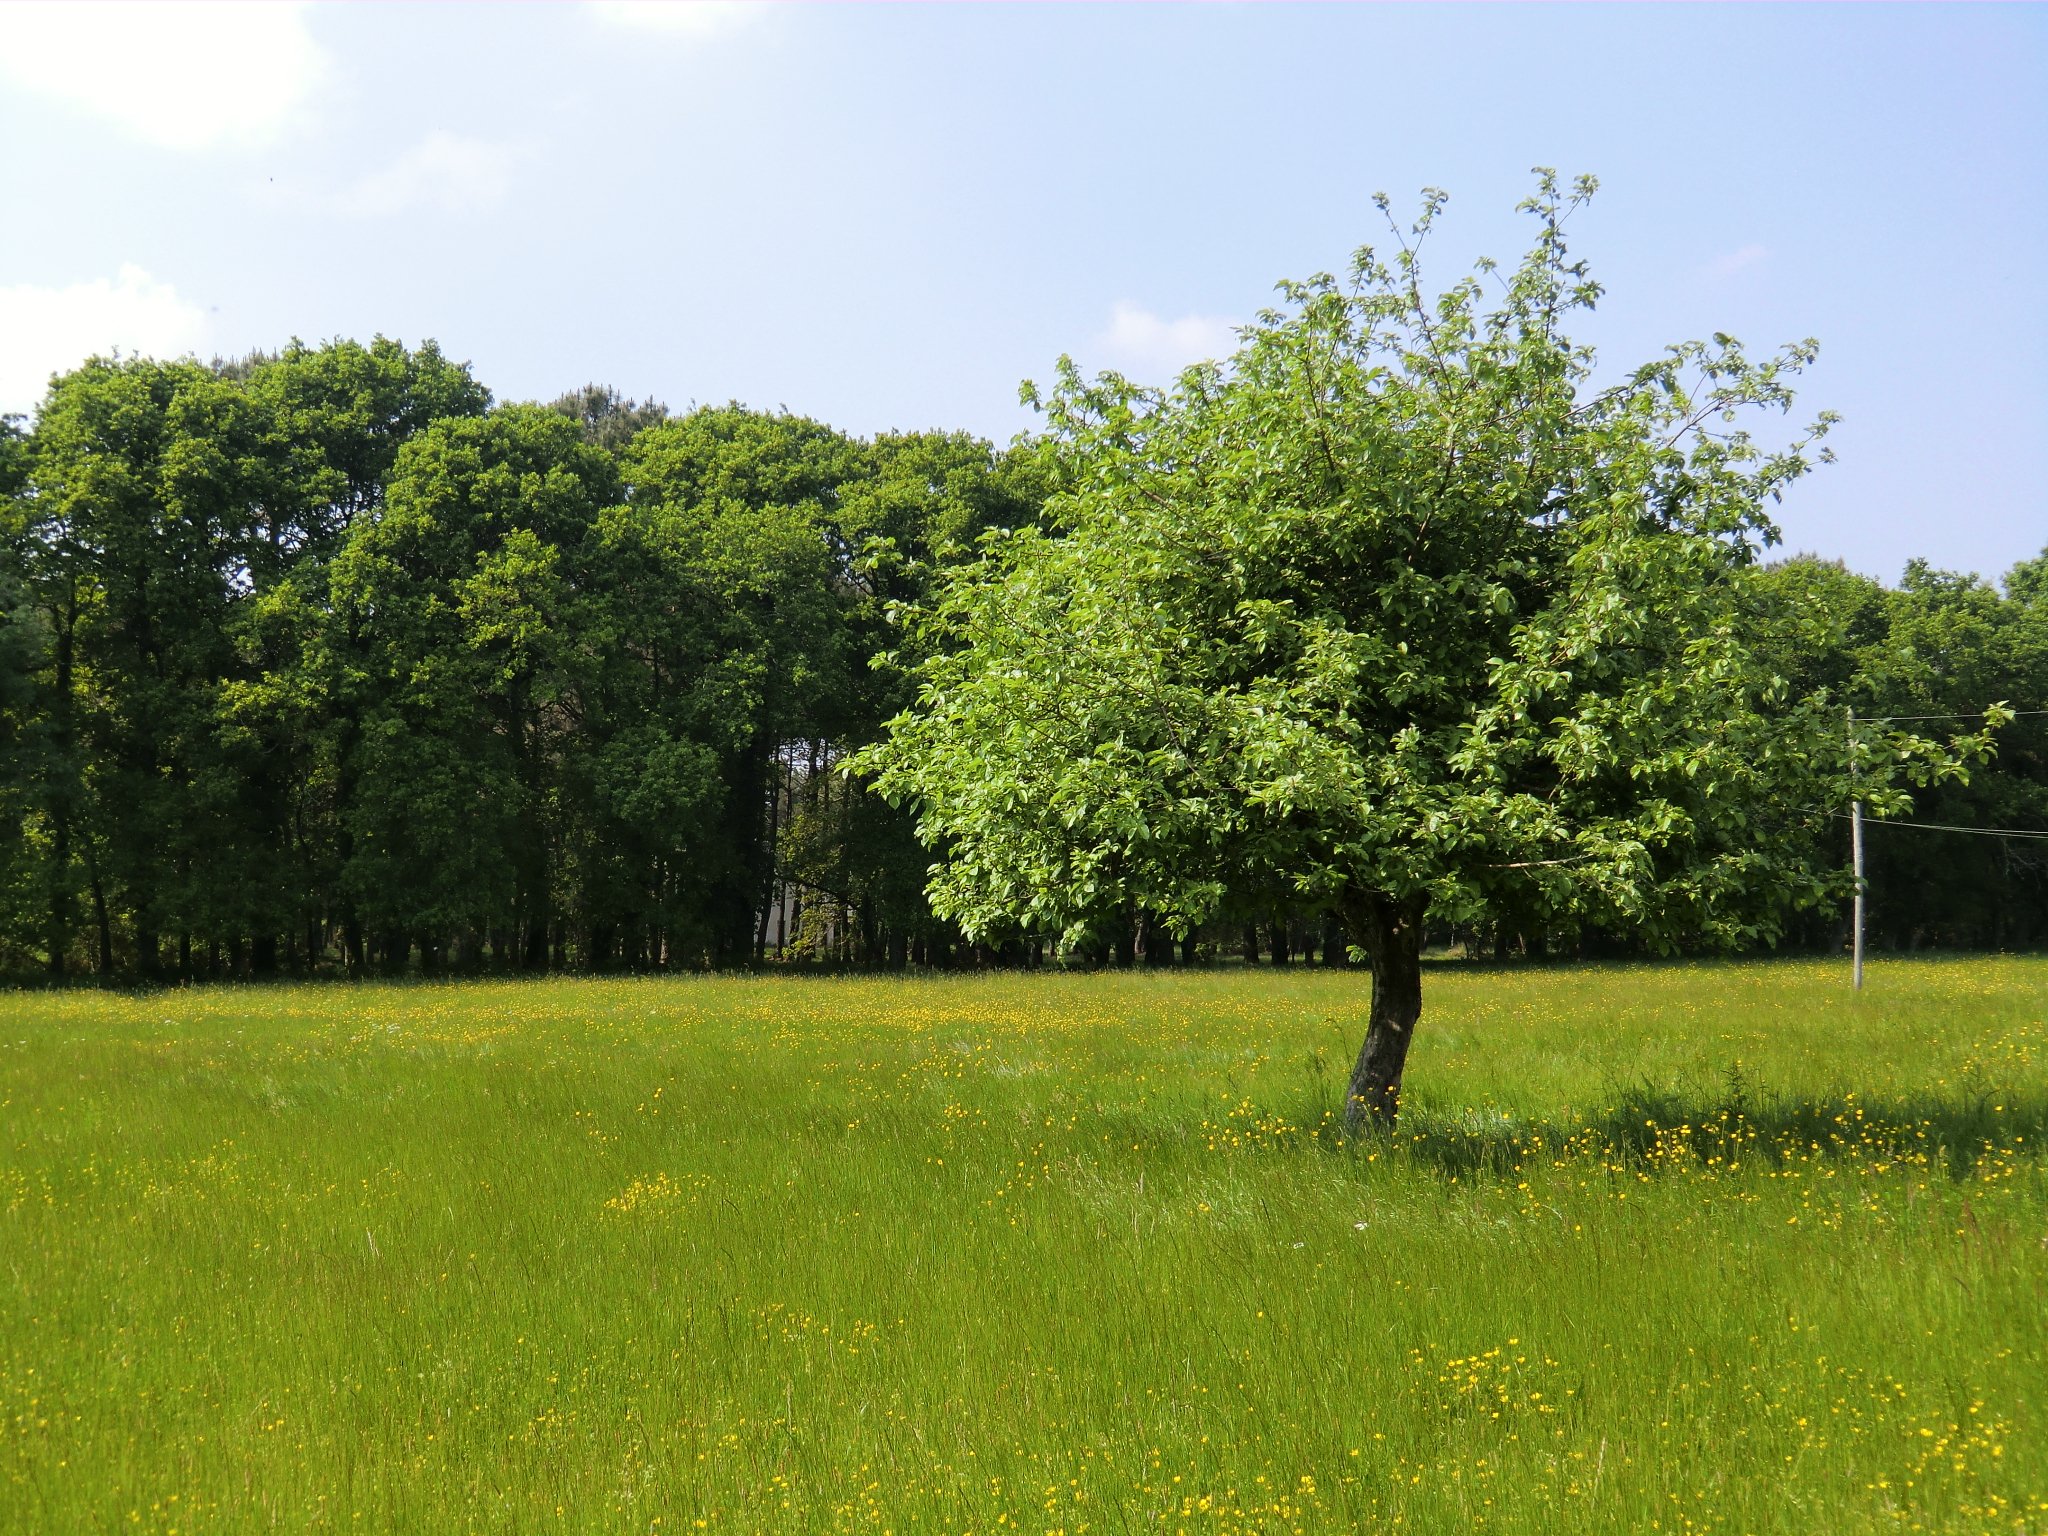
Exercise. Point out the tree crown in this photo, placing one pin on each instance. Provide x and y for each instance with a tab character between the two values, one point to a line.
1395	604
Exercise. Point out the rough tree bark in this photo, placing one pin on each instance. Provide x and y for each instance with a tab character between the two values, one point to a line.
59	929
777	780
1390	932
102	925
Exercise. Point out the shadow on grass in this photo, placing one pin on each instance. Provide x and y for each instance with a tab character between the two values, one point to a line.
1647	1128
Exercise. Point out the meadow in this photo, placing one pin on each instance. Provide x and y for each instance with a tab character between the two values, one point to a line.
1657	1248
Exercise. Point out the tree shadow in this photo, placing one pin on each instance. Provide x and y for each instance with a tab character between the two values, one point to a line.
1657	1129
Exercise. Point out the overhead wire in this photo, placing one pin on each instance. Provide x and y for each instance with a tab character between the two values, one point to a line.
1978	714
1942	826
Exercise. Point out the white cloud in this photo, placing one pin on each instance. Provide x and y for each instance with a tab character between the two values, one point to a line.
687	18
443	170
1736	261
1153	350
50	330
182	75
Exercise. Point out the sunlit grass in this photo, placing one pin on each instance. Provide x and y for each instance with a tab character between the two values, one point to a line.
1657	1248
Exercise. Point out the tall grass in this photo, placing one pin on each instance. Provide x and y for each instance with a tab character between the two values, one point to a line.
1674	1248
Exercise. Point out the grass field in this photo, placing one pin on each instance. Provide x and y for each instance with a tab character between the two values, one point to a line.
1658	1248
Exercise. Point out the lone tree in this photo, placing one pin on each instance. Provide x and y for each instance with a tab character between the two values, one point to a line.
1396	608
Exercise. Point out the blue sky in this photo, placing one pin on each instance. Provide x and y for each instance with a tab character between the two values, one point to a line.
887	217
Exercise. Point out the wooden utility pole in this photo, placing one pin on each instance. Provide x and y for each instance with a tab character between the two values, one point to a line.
1855	854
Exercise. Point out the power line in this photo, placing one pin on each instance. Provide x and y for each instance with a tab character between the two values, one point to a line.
1942	826
1855	816
1973	715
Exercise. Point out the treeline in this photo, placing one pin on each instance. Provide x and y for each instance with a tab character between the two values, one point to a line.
1939	645
322	661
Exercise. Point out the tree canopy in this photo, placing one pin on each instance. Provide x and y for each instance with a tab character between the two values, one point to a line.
319	655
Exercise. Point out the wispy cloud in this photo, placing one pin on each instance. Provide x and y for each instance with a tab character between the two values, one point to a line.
686	18
1153	349
50	330
1737	261
186	76
444	171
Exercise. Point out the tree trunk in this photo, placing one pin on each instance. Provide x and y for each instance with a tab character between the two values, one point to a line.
775	789
149	949
355	958
60	804
58	931
104	927
1390	932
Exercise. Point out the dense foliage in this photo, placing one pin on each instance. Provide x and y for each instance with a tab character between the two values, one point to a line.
323	661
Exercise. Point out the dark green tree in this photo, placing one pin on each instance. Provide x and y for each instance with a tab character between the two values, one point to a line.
2027	582
23	728
925	501
1952	643
1938	645
609	419
752	501
453	646
140	480
337	416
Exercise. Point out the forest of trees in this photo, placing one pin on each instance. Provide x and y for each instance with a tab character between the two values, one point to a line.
324	662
